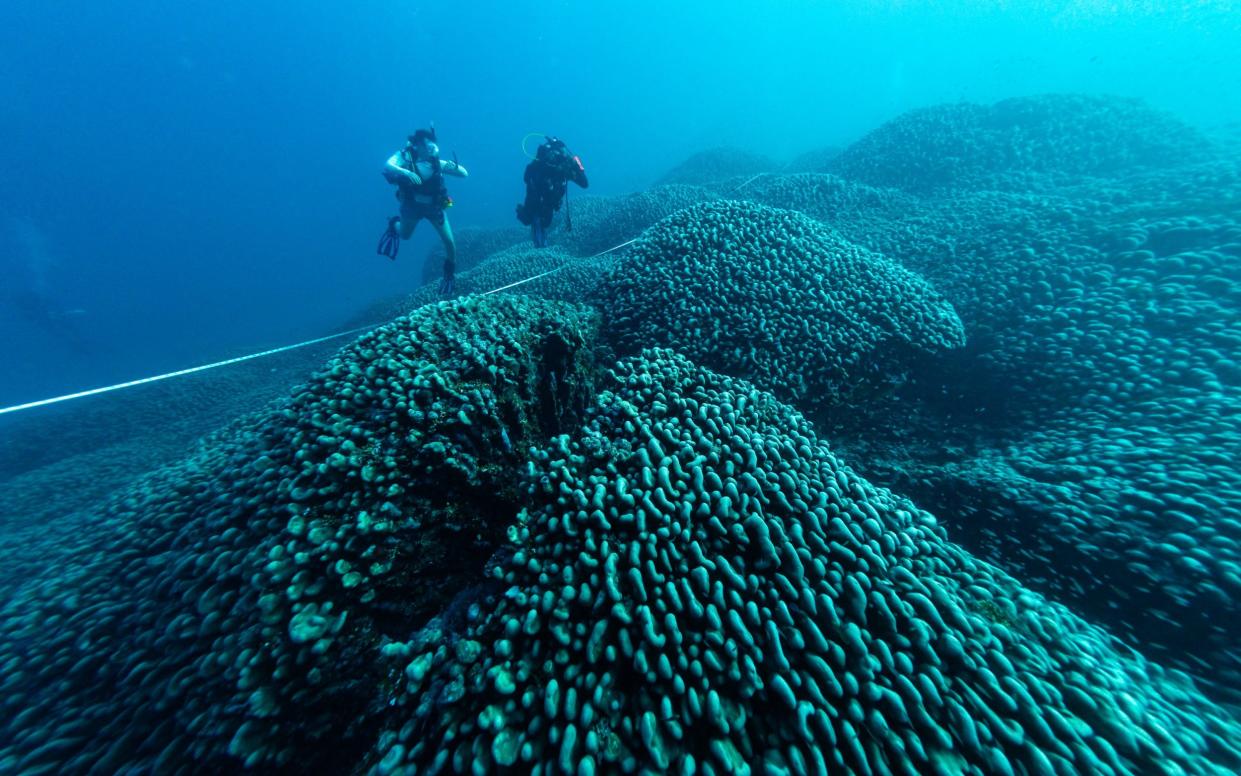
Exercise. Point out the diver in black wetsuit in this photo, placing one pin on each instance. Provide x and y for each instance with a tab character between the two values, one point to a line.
547	179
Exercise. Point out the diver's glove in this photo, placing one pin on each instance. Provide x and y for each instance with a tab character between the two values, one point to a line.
447	284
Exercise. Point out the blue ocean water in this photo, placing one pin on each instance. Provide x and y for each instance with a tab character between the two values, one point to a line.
878	409
200	179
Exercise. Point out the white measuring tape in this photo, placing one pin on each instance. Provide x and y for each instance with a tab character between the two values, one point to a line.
755	177
178	373
746	183
272	352
557	269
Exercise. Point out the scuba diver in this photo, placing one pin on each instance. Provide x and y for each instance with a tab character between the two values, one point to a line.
547	179
418	173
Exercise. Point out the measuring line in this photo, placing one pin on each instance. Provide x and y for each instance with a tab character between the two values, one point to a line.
557	269
747	183
178	373
272	352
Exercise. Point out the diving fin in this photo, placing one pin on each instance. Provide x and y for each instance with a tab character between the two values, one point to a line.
390	240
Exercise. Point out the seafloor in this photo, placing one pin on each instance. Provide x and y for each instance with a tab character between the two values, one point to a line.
919	456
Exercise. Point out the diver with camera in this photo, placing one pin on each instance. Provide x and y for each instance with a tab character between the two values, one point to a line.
547	178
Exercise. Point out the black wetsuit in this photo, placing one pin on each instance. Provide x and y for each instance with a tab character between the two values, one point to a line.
547	179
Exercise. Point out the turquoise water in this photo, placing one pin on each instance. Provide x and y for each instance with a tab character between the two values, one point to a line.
876	409
200	179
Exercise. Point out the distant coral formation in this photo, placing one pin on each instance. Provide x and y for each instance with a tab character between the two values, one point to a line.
969	145
717	164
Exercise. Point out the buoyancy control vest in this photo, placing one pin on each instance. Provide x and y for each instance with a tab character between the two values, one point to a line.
432	191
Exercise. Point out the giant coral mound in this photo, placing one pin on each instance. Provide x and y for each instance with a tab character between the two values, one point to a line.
697	584
228	609
972	145
677	575
475	541
774	297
